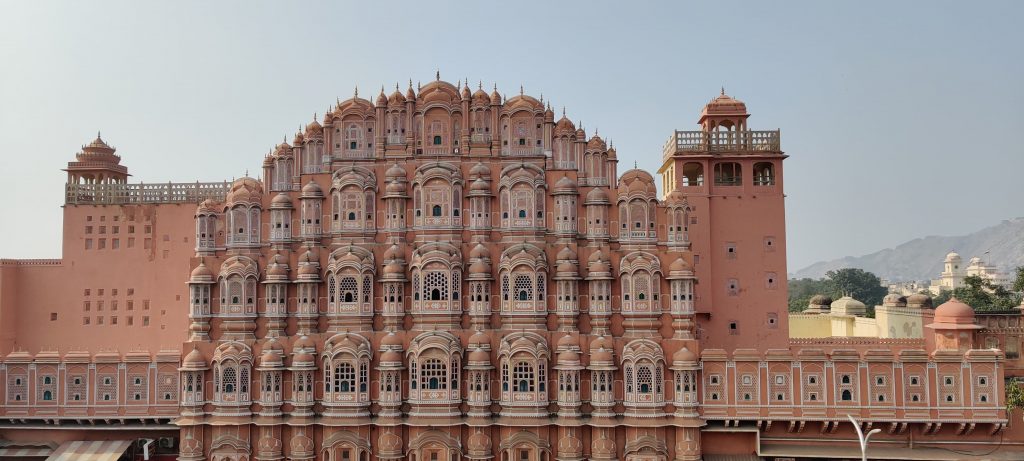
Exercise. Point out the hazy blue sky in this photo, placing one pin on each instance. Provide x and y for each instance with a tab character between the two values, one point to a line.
901	119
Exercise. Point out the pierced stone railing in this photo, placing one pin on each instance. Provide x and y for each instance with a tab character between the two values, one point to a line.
721	141
522	151
480	137
115	194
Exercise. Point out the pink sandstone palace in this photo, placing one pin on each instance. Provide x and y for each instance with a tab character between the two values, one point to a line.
446	274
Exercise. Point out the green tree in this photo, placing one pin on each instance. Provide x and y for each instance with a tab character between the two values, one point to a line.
982	295
940	298
1018	281
1014	395
801	291
858	284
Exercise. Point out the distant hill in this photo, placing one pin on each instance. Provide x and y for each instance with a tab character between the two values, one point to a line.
921	259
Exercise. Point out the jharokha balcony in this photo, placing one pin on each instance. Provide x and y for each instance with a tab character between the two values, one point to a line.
721	141
122	193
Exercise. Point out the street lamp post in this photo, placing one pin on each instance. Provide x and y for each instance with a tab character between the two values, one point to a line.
862	438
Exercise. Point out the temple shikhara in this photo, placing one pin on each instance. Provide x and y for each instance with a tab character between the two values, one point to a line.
446	273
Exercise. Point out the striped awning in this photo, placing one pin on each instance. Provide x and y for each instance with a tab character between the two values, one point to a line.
25	452
93	450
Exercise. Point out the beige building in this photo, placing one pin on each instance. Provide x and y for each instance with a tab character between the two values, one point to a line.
898	317
954	273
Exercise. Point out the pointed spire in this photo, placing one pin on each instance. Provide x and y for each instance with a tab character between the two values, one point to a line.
98	135
396	86
437	75
356	95
410	83
520	89
480	84
563	111
723	90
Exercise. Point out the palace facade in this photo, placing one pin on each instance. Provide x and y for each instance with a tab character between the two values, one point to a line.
449	274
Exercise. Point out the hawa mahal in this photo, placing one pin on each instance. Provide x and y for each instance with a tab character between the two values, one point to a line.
448	274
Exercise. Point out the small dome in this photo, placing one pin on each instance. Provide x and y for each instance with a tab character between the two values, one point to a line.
391	340
565	185
480	170
495	97
312	190
601	355
479	251
281	201
480	338
820	300
919	300
207	206
954	311
299	139
465	92
276	270
479	267
201	272
684	355
314	127
393	252
394	267
390	357
308	269
848	306
597	144
304	359
602	342
194	359
952	256
480	356
480	97
566	253
270	358
597	195
304	342
893	299
569	340
679	265
637	181
565	267
395	187
480	185
396	171
568	357
565	127
382	99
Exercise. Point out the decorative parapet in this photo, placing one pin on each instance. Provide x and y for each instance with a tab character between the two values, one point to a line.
120	194
721	141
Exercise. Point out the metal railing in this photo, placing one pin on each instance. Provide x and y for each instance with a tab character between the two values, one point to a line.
111	194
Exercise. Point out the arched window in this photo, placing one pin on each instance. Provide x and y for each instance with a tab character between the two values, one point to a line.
693	174
436	211
764	174
230	380
847	395
728	174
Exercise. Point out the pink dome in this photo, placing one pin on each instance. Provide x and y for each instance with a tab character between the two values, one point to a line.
954	311
391	340
194	359
391	357
479	355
